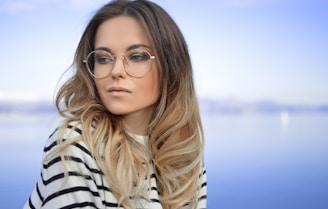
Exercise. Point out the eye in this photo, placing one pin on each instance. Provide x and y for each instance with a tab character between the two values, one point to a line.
103	58
139	56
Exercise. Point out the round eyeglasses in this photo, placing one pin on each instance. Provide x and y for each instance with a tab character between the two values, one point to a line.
137	63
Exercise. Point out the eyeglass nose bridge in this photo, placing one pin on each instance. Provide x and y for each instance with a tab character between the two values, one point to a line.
122	58
114	63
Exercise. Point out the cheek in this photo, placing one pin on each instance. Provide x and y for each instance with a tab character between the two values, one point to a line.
154	92
148	91
100	86
153	85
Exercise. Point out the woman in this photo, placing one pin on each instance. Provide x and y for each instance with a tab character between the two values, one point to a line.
132	135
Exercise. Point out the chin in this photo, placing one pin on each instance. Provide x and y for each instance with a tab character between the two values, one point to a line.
117	112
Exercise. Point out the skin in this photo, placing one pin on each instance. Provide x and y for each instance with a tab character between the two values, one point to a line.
121	94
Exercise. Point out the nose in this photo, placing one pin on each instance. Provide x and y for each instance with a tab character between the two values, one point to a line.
118	70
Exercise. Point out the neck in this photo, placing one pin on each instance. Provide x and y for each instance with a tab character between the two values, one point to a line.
137	123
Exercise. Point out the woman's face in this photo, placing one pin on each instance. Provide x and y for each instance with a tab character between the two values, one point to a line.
122	94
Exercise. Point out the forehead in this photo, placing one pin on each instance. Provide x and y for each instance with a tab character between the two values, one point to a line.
119	33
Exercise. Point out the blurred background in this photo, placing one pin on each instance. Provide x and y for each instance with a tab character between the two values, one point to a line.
261	74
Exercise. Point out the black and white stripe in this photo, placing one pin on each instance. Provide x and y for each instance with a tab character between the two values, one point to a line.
85	185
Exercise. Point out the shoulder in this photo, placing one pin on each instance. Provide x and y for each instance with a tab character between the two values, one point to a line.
66	144
63	133
70	175
69	137
66	151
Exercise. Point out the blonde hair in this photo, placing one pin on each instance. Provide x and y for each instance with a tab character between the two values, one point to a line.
176	142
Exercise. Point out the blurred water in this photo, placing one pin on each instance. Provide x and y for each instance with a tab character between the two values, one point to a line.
253	161
267	161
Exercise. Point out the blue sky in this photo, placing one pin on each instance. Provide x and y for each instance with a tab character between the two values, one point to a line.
246	50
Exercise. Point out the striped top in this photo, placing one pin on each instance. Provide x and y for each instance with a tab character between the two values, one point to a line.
85	185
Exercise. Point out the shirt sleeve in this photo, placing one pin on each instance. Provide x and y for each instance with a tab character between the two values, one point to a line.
75	183
202	198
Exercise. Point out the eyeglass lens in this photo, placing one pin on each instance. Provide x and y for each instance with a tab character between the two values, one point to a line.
137	63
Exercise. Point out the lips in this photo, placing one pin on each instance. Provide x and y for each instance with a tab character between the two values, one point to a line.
119	89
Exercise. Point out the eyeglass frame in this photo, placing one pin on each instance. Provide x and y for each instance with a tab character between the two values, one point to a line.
124	60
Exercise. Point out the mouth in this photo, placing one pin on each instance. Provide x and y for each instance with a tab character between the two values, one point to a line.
119	90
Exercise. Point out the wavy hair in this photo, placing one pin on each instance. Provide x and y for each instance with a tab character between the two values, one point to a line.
176	141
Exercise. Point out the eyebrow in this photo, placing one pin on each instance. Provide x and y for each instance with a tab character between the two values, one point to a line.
135	46
129	48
